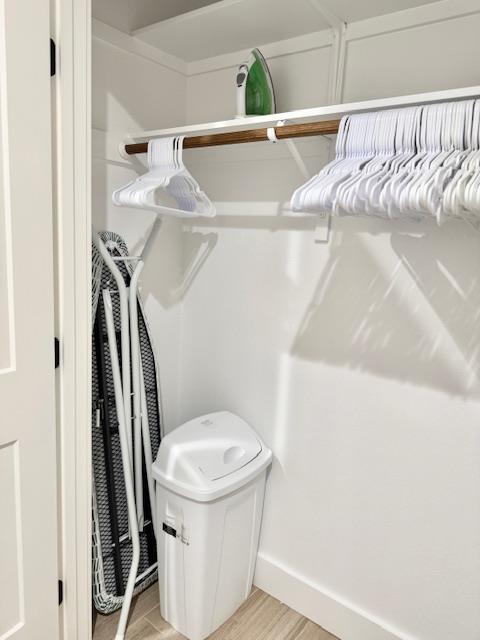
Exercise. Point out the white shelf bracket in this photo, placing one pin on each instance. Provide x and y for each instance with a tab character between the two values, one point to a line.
337	70
295	153
339	28
293	149
335	88
322	226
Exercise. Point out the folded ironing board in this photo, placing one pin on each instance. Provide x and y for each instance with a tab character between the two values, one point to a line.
112	547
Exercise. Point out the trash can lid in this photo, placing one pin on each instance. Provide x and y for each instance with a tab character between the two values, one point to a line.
203	456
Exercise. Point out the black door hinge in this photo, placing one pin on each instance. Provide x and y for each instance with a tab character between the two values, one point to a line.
169	530
56	348
60	592
53	58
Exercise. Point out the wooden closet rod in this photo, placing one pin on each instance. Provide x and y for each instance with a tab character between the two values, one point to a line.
251	135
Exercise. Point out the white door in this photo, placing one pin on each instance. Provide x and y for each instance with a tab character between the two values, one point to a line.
28	544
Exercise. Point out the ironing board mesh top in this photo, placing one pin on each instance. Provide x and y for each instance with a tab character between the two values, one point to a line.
106	594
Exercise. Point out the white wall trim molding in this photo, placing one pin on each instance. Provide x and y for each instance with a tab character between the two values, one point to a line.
298	44
116	38
72	89
411	18
333	613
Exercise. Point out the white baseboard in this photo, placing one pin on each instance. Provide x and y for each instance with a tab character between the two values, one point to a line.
339	617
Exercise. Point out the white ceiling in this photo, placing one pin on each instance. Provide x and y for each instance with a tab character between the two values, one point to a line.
234	25
128	15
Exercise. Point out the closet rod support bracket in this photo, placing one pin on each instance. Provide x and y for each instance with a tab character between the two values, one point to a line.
322	229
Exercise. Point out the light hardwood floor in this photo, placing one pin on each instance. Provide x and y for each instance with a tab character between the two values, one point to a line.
261	617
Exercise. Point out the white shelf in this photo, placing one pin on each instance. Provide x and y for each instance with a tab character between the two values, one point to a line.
236	25
231	25
329	112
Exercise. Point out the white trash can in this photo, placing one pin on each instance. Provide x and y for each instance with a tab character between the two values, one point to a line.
210	482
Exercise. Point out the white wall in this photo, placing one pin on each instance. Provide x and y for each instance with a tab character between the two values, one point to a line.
357	361
391	55
134	88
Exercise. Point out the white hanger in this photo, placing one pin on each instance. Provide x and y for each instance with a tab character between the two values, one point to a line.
404	148
415	163
167	174
360	190
303	198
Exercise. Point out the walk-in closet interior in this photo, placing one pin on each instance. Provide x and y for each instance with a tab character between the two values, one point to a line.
344	333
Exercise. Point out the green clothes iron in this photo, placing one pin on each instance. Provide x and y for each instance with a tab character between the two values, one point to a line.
255	94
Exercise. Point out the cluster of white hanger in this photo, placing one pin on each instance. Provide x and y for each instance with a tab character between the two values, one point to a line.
166	176
415	163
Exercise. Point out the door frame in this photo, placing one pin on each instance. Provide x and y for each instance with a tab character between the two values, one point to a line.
71	101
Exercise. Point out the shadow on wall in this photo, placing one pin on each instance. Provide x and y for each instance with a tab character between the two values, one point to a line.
159	279
168	274
197	247
411	314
